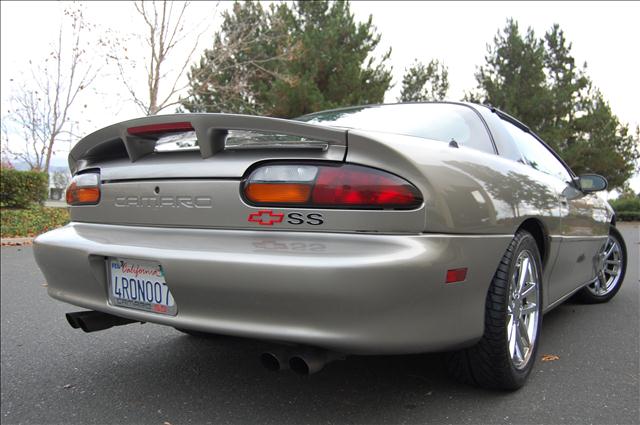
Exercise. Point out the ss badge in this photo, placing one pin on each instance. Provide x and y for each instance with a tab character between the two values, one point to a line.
313	219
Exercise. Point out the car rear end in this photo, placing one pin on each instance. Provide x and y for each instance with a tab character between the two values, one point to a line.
264	228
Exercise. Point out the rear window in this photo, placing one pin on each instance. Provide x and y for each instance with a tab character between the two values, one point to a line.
435	121
238	139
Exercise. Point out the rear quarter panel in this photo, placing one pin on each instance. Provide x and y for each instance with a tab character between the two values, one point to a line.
466	191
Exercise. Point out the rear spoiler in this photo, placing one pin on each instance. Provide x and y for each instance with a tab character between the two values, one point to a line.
137	138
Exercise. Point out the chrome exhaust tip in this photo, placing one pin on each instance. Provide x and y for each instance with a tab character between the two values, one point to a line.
92	321
312	360
274	360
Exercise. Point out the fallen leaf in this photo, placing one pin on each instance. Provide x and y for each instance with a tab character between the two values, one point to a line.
550	357
68	386
45	284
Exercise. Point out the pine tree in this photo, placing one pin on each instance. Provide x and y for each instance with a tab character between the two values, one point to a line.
422	83
538	82
287	61
513	77
237	72
568	88
603	145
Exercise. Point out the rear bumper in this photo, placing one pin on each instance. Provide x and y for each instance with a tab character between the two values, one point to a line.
354	293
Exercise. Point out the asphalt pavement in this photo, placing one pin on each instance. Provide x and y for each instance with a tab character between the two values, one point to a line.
152	374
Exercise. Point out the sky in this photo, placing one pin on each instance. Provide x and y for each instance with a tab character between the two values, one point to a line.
603	34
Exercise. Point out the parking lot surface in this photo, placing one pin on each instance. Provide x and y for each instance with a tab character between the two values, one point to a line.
151	374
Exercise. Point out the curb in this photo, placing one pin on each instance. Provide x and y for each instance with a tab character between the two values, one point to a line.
17	241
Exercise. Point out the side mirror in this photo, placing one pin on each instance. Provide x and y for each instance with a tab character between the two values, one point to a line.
592	183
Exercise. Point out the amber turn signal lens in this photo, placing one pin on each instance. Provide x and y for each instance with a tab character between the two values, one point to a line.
278	193
82	195
84	189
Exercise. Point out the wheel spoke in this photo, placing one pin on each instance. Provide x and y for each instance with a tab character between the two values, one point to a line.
528	289
512	339
524	334
510	320
529	308
608	251
520	347
613	262
524	271
602	282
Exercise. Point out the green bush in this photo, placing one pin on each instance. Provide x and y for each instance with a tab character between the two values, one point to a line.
20	189
627	208
628	215
32	221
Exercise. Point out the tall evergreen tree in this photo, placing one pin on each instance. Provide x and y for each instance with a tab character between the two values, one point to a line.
538	82
513	77
425	83
568	90
287	61
236	74
602	144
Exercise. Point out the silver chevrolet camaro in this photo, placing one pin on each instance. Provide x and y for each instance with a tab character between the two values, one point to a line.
384	229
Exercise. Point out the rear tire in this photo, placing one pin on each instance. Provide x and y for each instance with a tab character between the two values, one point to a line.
611	270
506	353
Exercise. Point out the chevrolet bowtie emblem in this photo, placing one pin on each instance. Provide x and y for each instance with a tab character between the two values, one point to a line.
265	217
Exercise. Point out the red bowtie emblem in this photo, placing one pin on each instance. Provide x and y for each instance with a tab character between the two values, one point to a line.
265	217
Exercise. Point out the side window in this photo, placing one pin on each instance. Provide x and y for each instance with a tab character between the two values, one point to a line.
536	154
504	142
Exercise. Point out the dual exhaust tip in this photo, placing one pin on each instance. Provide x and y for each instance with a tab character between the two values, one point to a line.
93	321
304	362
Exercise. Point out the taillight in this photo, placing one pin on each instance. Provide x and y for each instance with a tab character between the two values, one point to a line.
84	189
329	186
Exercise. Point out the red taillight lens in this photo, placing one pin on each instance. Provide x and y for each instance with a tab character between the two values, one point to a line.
84	190
329	186
352	185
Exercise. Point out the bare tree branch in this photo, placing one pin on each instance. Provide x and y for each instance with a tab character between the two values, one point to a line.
168	40
41	107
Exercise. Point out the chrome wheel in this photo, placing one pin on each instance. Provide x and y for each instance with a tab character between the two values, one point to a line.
609	268
523	309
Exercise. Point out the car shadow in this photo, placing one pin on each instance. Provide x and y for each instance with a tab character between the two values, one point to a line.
154	374
198	376
212	372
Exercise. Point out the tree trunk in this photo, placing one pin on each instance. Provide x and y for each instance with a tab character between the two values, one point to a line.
47	160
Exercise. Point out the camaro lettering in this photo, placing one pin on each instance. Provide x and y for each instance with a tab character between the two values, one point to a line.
164	201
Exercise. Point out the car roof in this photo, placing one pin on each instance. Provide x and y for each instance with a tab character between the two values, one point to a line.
374	105
473	105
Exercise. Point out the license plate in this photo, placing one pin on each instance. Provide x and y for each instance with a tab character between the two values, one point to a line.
141	285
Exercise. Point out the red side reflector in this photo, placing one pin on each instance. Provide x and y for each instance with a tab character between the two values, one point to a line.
170	127
456	275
